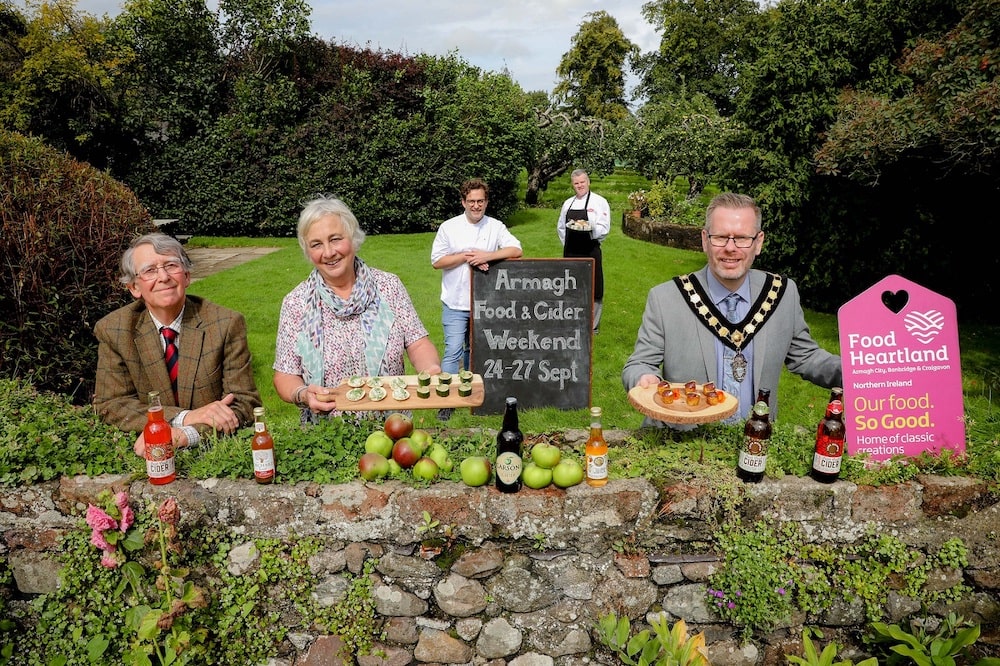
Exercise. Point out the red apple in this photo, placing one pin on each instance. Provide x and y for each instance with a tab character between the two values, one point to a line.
373	466
405	453
398	426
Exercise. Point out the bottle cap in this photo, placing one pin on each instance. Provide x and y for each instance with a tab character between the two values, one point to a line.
258	411
595	412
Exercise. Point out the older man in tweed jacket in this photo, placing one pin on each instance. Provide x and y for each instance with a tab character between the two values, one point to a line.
215	388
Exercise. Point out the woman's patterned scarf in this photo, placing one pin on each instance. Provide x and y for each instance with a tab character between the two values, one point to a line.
376	321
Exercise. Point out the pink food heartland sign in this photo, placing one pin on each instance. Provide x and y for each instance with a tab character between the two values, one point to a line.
902	371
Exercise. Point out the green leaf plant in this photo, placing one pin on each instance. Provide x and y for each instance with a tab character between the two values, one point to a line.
947	645
827	657
663	646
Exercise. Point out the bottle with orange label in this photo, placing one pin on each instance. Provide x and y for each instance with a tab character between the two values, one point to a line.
158	440
596	451
262	447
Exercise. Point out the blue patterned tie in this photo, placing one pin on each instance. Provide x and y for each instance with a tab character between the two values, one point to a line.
730	385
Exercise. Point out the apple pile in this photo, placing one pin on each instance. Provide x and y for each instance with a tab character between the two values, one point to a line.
398	446
547	466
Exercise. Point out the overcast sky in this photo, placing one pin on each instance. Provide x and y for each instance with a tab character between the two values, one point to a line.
526	37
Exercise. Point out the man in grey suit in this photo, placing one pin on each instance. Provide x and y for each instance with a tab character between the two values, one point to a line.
212	388
727	323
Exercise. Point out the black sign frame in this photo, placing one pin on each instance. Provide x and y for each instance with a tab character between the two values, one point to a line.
531	337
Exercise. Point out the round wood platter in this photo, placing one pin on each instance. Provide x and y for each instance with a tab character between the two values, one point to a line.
646	401
435	401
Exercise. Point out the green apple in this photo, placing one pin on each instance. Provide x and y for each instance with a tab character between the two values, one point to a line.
394	469
567	473
475	470
422	438
425	469
545	455
379	442
373	466
439	454
536	476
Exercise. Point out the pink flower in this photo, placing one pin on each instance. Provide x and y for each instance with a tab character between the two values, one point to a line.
98	541
169	512
99	520
128	517
109	561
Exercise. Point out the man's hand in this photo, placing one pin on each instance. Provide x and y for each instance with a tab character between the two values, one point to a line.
217	414
478	258
646	381
178	436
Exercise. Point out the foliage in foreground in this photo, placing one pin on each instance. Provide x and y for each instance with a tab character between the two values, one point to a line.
44	436
769	571
133	591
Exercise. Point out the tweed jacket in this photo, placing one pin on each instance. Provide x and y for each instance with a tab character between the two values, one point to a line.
675	345
214	360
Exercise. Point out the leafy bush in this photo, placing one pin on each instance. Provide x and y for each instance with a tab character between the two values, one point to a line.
63	227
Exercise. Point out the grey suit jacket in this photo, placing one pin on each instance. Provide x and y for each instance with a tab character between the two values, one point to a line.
214	360
675	345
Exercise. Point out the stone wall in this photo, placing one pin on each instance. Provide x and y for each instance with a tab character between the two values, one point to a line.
672	235
513	597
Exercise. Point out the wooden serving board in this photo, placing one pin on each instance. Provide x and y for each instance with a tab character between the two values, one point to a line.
454	400
647	402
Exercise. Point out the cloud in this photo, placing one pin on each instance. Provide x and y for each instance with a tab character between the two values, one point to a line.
526	37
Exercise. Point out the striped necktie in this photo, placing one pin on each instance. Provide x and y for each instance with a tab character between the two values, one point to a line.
170	357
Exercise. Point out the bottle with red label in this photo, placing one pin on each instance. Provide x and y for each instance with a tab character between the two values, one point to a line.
158	440
830	436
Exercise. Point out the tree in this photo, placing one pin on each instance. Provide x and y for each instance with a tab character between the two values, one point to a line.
173	85
59	81
949	120
703	43
592	72
563	141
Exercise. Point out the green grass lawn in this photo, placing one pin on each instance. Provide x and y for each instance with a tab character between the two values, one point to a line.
631	268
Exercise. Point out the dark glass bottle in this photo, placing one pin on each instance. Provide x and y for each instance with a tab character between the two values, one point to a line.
756	436
829	444
509	458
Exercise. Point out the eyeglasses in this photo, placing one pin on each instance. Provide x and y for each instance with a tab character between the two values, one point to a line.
739	241
150	273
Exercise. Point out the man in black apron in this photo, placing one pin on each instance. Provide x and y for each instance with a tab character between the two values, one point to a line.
584	221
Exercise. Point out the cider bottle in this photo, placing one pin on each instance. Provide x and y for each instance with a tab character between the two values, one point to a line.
829	444
597	451
159	443
509	458
262	447
756	436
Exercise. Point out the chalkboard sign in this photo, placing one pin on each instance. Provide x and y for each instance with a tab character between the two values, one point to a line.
531	332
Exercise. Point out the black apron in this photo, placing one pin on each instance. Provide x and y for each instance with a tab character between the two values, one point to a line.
581	244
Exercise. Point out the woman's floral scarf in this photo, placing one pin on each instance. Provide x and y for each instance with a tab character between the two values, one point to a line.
376	321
